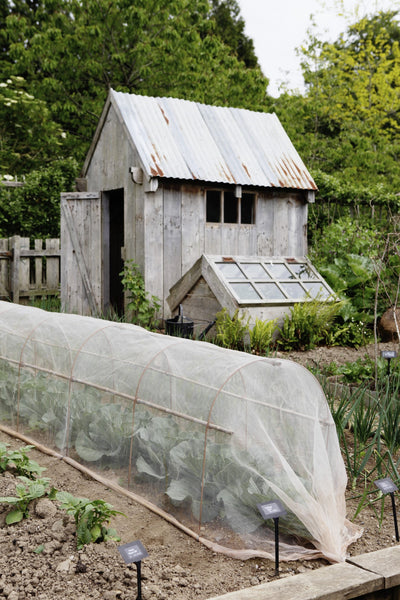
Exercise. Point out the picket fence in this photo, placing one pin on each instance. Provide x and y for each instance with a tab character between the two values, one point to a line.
29	268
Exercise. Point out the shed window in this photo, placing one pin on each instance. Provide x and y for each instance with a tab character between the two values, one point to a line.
255	281
247	208
222	206
213	206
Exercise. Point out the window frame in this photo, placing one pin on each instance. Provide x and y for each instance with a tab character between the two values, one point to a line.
282	283
222	192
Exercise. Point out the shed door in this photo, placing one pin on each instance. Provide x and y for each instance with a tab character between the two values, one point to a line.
81	257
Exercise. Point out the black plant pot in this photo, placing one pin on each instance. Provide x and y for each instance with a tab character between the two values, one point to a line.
179	326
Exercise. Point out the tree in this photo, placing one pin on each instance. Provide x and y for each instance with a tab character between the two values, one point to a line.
230	28
29	138
34	209
351	109
72	52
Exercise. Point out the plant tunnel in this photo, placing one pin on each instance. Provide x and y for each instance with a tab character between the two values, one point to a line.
203	433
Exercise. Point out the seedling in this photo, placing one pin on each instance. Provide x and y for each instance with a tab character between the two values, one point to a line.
19	461
26	491
91	518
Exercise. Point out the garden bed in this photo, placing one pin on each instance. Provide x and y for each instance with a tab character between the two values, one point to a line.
178	567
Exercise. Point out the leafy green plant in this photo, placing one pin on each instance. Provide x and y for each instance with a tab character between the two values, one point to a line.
4	458
106	435
26	491
231	332
91	518
349	331
144	309
20	462
262	336
307	324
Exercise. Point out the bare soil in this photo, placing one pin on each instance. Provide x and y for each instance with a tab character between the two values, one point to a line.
39	559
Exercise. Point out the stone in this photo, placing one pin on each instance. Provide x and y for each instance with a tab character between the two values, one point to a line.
64	566
387	328
45	508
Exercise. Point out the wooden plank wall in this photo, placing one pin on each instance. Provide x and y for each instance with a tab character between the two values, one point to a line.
81	239
29	268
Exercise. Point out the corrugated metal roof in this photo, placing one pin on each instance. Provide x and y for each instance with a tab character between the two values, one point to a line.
187	140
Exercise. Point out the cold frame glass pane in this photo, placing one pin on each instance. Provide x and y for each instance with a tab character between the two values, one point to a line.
270	291
279	271
255	271
230	271
245	291
317	289
303	271
294	291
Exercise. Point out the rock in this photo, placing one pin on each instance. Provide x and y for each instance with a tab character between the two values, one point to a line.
112	595
387	325
13	596
45	509
64	566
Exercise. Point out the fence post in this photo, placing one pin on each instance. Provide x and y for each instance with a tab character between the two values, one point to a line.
14	266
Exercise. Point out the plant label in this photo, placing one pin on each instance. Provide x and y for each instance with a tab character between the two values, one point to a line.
133	552
271	510
388	354
386	485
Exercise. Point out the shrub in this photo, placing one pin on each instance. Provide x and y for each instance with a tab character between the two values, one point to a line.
307	325
144	309
231	331
262	336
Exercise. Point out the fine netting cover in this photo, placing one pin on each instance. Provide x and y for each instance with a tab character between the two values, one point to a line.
202	432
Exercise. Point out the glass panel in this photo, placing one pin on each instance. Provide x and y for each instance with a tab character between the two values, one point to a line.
230	270
245	291
254	271
294	290
230	208
303	271
213	206
270	291
247	209
317	289
279	271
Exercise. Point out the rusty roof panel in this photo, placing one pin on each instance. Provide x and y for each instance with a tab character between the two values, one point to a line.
188	140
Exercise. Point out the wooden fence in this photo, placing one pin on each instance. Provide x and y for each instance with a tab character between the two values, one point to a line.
29	268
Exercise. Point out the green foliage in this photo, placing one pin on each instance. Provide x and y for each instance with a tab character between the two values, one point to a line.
33	210
373	418
307	324
48	303
20	462
231	331
358	262
144	309
350	332
107	434
29	138
358	371
91	518
262	336
73	53
26	491
345	126
353	103
230	27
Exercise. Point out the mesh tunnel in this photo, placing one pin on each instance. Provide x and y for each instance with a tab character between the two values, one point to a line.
202	432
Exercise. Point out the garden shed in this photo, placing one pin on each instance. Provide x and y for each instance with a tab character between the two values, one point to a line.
167	183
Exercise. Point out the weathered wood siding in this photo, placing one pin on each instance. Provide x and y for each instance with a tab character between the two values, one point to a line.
81	260
109	170
29	268
166	230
